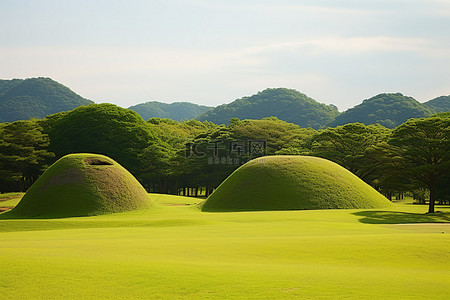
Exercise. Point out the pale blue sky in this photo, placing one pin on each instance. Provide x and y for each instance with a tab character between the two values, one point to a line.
212	52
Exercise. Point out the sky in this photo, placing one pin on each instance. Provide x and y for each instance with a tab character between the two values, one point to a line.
212	52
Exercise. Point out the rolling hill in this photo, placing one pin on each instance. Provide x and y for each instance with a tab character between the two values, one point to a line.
287	182
22	99
389	110
439	104
285	104
178	111
82	184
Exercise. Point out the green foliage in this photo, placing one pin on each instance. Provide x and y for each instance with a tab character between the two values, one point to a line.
35	98
177	111
389	110
169	164
176	134
421	149
439	104
352	146
23	154
8	84
278	134
104	129
81	185
292	182
285	104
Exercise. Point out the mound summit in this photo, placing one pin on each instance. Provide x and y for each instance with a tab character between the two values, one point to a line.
288	182
82	185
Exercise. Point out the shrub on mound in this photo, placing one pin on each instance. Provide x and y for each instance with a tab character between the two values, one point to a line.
292	182
82	185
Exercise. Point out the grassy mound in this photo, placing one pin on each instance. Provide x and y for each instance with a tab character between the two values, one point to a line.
292	182
82	185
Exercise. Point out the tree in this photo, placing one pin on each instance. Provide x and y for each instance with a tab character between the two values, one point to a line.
281	137
174	171
23	154
352	146
104	129
422	151
214	155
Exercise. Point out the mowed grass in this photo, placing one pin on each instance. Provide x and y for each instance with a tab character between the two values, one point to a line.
9	200
174	251
284	182
82	184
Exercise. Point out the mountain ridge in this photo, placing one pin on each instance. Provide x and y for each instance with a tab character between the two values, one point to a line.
439	104
22	99
178	111
387	109
286	104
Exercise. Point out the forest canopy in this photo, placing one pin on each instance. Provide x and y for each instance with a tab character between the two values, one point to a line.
168	156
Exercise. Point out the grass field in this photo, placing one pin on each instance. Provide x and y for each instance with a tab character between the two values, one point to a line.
174	251
82	184
286	182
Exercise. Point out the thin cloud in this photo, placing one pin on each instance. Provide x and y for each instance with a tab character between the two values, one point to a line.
351	45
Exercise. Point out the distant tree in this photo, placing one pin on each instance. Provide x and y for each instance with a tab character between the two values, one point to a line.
422	151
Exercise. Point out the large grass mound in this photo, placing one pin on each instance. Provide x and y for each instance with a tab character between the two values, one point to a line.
293	182
82	185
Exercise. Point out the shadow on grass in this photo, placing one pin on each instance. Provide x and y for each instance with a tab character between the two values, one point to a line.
10	215
395	217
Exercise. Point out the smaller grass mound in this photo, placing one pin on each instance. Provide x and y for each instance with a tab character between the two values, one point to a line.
293	182
82	185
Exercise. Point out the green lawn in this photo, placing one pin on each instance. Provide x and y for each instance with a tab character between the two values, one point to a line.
9	200
175	251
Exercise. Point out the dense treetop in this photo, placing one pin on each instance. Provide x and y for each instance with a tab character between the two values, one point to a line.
389	110
285	104
35	98
178	111
103	129
421	151
439	104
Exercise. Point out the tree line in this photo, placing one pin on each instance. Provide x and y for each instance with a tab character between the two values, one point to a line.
183	157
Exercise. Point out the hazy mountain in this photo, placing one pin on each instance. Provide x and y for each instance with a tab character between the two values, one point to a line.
22	99
178	111
389	110
285	104
439	104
